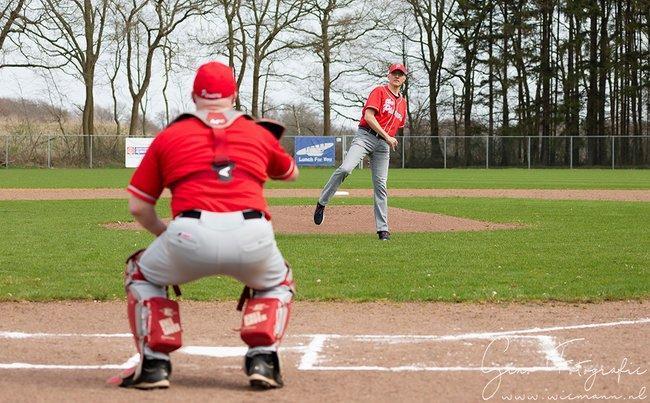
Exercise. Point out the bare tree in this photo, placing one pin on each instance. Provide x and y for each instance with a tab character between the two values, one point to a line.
467	28
336	26
269	18
431	18
112	70
169	51
147	23
11	19
72	33
233	40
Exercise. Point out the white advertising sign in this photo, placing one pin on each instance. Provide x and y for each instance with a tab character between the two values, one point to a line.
136	147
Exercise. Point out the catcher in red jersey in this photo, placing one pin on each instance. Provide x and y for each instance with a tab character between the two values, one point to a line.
215	161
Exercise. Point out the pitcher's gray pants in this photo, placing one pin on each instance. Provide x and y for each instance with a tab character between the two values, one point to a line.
378	152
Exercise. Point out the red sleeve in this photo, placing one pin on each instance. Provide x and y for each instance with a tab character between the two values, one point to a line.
405	113
147	182
374	100
281	165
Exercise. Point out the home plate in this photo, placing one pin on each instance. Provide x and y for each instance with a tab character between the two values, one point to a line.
341	193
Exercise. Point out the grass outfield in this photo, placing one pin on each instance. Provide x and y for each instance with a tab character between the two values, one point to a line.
398	178
568	250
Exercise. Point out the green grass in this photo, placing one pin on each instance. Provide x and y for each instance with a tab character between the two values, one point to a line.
398	178
567	250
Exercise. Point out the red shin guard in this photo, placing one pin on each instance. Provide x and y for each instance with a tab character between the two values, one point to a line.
156	322
264	321
164	332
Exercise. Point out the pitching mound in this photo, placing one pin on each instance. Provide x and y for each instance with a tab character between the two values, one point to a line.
359	219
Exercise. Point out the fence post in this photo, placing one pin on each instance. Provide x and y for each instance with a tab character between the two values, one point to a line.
403	147
487	152
571	152
7	152
91	151
49	152
528	152
444	152
613	152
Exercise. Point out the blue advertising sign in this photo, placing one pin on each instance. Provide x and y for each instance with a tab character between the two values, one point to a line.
315	150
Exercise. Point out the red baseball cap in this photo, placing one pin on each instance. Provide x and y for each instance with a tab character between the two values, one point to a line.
397	66
214	80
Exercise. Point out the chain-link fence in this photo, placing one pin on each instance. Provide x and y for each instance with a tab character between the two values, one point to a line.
57	151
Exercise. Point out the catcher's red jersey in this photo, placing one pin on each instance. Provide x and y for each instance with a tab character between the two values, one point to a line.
391	110
180	158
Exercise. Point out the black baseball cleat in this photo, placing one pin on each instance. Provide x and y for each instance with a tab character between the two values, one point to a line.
154	375
319	214
383	235
263	371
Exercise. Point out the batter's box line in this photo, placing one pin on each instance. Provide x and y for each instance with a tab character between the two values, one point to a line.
547	343
314	351
489	335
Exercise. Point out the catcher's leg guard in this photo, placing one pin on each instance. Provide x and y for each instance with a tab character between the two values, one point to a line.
154	319
264	321
266	315
155	323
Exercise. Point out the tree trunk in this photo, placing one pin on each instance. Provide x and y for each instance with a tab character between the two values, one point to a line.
87	119
467	108
504	78
602	70
545	72
135	112
327	123
592	92
256	88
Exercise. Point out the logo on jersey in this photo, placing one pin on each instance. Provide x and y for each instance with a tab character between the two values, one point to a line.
389	106
223	170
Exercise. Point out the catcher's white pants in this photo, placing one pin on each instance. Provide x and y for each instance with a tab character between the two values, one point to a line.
215	244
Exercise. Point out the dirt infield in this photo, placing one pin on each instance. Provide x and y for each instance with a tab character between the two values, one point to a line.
373	352
550	194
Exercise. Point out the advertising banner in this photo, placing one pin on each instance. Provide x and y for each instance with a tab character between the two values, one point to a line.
136	147
315	150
